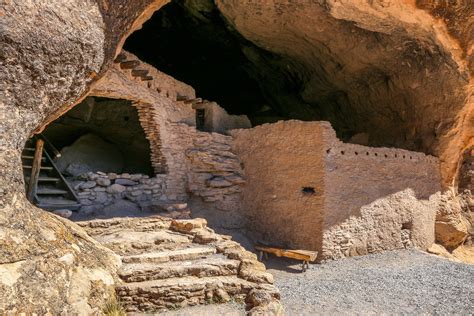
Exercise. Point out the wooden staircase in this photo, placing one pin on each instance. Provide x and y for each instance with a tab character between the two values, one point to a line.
44	184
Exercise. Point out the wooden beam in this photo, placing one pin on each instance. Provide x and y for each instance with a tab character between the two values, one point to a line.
304	255
35	170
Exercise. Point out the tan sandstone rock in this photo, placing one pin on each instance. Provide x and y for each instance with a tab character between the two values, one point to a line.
451	227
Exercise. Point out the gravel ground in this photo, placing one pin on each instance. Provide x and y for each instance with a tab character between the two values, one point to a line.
394	282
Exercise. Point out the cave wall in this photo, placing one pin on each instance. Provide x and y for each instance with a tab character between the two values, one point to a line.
394	69
398	72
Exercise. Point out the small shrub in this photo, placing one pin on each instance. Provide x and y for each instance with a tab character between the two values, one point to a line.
113	307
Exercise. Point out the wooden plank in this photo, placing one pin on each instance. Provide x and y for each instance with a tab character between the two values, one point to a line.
304	255
35	170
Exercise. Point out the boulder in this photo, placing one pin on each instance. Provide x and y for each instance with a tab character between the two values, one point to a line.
90	153
52	51
451	226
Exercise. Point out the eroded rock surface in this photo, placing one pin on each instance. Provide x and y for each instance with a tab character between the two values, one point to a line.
50	53
386	68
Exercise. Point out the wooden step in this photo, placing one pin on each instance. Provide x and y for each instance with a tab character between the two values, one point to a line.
47	191
42	168
181	98
157	295
129	64
54	202
32	157
216	265
197	100
172	255
147	78
44	179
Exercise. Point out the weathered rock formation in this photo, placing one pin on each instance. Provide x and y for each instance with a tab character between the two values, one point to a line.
51	52
387	68
397	71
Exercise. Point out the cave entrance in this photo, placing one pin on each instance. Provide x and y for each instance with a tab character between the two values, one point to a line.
85	152
261	65
195	44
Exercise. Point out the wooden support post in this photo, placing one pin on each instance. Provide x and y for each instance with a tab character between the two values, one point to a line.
35	170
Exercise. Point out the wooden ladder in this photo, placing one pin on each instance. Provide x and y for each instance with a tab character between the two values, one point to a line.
46	187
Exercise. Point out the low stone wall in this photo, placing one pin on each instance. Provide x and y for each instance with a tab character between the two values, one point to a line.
99	191
216	119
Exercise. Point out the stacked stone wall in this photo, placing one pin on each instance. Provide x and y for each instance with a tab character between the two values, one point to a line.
99	190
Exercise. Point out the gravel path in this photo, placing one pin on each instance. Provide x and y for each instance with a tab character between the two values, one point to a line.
395	282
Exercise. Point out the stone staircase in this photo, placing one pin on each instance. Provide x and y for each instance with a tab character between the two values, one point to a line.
169	264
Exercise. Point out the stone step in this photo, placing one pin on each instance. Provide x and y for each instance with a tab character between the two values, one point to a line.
100	227
158	295
190	253
129	242
216	265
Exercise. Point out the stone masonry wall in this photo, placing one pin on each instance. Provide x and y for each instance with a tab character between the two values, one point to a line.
280	160
99	190
376	198
190	162
306	189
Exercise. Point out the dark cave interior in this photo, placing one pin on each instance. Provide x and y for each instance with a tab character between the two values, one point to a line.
201	49
375	89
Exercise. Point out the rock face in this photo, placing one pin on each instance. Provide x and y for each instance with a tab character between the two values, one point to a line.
51	51
452	224
386	68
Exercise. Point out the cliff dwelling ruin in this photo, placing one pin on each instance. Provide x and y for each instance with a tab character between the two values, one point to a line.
342	129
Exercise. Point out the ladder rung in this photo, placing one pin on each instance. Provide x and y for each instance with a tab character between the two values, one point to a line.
42	168
29	148
33	157
45	179
50	192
